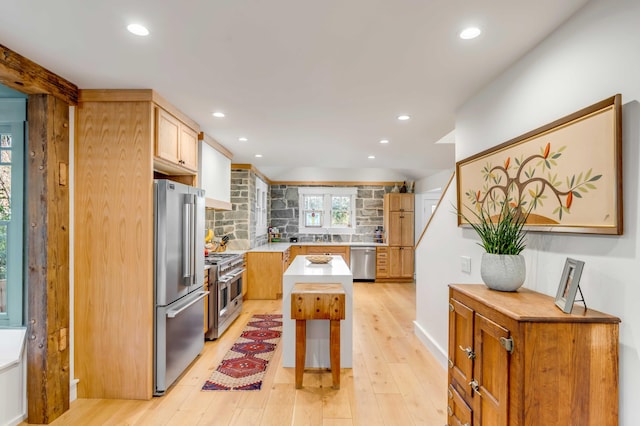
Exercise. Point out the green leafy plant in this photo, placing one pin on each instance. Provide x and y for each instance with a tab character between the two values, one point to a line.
503	233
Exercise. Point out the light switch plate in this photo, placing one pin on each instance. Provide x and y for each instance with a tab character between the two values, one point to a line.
465	264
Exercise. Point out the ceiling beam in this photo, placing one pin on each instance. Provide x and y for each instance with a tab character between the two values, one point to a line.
24	75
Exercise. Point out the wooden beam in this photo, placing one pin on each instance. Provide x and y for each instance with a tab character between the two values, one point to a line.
48	258
24	75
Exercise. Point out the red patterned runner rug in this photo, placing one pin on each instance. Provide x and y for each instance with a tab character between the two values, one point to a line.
245	365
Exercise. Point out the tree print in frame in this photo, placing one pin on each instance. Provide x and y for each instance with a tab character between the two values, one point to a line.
567	175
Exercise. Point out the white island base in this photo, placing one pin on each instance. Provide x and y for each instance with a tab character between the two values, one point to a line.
303	271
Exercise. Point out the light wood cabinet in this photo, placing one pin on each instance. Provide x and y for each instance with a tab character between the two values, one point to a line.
400	227
401	262
114	170
399	230
400	202
244	276
176	144
264	274
516	359
382	262
302	250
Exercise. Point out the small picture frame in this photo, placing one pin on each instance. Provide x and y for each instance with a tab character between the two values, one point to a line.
569	284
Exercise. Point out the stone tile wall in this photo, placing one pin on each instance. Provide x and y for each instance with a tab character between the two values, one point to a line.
239	223
369	213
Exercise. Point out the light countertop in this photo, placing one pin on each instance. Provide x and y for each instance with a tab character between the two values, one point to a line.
303	268
281	247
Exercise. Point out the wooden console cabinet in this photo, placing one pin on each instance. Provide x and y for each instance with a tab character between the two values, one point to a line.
516	359
399	231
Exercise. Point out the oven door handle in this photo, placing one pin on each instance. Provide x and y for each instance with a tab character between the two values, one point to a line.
175	312
228	278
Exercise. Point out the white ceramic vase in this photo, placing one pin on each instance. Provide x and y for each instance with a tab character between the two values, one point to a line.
503	272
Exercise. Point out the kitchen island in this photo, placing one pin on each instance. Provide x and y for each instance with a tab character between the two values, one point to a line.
303	271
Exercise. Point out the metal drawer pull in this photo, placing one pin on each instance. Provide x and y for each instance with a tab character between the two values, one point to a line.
449	411
470	354
475	387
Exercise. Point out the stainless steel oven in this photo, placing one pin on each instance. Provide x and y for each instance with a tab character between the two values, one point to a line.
225	292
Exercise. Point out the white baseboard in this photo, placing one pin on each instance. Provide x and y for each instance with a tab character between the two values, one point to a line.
19	419
431	344
73	390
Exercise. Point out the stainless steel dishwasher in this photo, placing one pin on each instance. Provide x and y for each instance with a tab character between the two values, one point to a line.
363	263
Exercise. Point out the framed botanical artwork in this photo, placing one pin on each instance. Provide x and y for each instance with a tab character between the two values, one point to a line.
569	284
566	175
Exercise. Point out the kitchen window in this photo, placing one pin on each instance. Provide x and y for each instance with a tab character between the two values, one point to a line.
327	210
12	133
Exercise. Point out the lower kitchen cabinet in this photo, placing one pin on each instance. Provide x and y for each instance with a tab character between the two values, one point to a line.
394	264
382	263
244	276
516	359
301	250
264	274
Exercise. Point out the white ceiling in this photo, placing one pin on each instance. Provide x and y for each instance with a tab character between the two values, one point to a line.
312	84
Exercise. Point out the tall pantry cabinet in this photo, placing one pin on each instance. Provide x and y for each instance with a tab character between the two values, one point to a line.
397	260
122	141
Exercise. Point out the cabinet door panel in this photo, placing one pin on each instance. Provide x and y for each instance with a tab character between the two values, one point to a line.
189	148
167	136
491	372
460	340
458	411
406	230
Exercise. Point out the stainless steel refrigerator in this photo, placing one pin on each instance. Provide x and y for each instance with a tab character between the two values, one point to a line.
178	280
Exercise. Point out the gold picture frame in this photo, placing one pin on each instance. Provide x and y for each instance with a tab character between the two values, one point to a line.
566	175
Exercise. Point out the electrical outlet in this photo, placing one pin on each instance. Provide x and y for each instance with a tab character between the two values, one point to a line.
465	264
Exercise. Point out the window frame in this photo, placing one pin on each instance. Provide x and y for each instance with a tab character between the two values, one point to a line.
262	201
327	193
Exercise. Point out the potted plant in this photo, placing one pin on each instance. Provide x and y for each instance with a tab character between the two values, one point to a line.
503	239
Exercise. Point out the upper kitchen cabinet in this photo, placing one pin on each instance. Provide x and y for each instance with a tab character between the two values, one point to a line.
399	202
176	144
215	173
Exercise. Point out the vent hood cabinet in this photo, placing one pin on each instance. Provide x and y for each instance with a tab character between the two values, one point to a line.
215	173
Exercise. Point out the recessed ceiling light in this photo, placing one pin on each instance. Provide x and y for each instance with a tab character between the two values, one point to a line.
138	29
371	157
383	141
258	155
469	33
242	139
403	117
218	114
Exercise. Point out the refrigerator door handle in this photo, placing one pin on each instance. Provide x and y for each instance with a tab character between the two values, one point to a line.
175	312
192	245
186	241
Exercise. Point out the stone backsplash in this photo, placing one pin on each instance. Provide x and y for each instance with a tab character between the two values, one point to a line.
239	223
369	213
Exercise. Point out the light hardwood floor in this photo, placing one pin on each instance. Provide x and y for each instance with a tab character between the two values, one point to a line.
394	379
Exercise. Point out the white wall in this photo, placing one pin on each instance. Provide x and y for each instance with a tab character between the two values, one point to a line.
596	54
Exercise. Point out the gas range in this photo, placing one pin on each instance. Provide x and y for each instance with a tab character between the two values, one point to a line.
225	263
225	291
